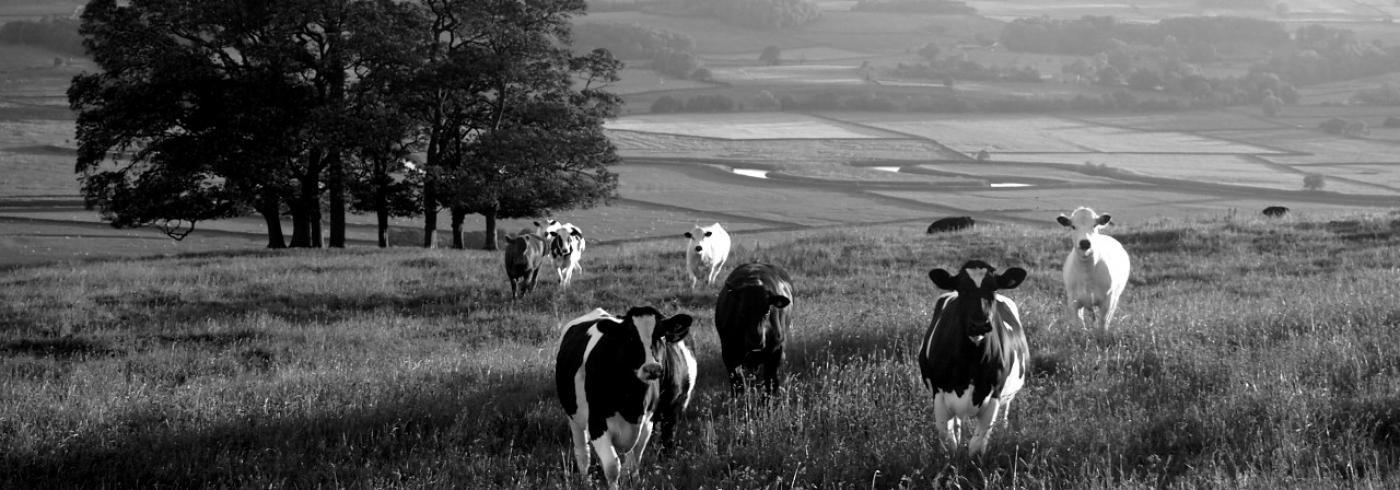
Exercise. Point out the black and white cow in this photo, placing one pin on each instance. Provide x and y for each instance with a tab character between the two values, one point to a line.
974	354
1275	211
751	316
615	376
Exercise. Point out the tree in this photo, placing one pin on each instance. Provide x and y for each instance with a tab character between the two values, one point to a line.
241	100
667	104
1314	182
771	55
513	119
929	52
1272	104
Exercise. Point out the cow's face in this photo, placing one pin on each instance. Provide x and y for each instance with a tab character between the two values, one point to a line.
544	228
563	239
976	284
1083	224
756	304
699	239
647	332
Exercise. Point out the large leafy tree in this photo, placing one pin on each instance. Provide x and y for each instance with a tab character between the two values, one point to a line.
190	118
513	118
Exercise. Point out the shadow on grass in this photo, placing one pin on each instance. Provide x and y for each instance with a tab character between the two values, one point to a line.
456	428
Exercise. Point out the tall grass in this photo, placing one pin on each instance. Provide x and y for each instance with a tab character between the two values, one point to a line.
1247	354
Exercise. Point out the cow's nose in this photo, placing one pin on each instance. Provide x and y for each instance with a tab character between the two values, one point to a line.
651	371
698	249
1084	244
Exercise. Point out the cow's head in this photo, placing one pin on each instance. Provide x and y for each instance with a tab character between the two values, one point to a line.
645	333
977	284
699	237
1083	224
563	239
525	240
757	299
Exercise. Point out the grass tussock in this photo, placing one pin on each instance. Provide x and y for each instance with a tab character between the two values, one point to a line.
1248	354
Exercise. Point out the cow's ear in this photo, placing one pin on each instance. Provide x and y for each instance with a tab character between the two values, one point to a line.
1103	219
538	223
576	232
1011	278
943	279
677	328
688	235
779	300
708	233
1064	221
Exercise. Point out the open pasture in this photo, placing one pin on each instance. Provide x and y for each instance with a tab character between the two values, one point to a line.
1219	169
804	74
1036	205
411	369
713	190
746	125
776	151
1042	134
1311	145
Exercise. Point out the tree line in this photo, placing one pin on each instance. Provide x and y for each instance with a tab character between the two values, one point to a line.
210	109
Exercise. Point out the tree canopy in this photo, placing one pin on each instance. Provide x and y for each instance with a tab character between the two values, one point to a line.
206	109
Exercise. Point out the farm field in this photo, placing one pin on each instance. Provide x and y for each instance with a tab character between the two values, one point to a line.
411	369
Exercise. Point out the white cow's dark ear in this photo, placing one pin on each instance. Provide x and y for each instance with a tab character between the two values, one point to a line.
943	279
1011	278
688	235
1064	221
537	223
1103	219
708	233
677	328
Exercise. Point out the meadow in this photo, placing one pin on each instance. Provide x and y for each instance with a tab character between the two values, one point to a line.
1248	354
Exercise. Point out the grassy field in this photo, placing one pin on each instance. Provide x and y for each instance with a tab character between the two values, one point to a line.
1248	353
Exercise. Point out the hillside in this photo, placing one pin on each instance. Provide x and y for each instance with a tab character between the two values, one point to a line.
1247	353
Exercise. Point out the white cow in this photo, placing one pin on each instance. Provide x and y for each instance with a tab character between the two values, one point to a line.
564	245
1096	268
707	249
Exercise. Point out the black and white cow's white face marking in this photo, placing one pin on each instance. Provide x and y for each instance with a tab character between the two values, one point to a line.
977	284
645	334
1083	224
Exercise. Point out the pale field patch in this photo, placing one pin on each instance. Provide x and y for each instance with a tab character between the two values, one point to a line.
1223	169
1315	146
1386	174
1010	173
1186	121
1043	134
777	152
708	190
847	173
745	126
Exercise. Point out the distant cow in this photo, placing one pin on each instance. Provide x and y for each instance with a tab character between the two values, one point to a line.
1275	211
705	253
751	316
974	354
565	244
1096	268
523	256
951	224
615	375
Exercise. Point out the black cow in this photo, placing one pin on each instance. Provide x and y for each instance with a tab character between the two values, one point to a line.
951	224
974	354
615	375
751	316
1275	211
523	255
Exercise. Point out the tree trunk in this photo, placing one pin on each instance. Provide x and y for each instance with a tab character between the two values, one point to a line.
270	209
381	211
337	194
430	212
306	207
489	241
458	217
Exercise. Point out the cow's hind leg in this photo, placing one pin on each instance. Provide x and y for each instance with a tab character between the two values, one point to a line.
608	459
581	455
